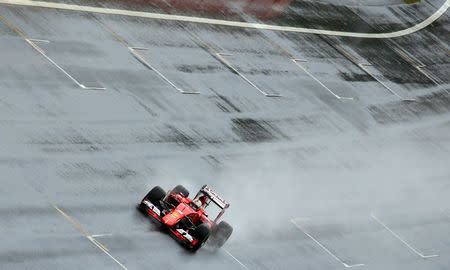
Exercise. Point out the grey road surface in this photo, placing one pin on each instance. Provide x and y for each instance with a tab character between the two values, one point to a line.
334	152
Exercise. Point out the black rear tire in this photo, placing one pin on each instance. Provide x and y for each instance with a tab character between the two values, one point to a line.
182	190
155	195
201	233
220	234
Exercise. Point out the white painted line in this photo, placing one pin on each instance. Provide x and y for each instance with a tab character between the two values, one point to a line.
75	223
133	51
42	52
97	242
324	248
40	40
401	240
101	235
363	67
221	58
299	60
171	17
346	54
102	248
407	57
417	64
139	48
354	59
83	232
432	78
446	213
238	261
297	63
91	87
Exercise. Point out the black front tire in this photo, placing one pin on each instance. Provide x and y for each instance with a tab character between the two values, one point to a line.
156	195
182	190
201	233
220	234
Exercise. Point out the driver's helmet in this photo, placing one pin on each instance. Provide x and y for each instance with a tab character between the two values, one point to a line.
203	199
200	201
197	203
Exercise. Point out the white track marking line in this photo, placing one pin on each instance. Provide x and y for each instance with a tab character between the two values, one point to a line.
92	87
75	223
140	58
324	248
171	17
406	56
39	40
418	65
445	212
363	66
101	247
32	43
133	51
100	235
221	58
297	63
97	243
238	261
299	60
83	232
401	240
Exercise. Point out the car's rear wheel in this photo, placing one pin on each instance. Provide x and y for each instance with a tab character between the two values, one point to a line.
155	195
201	233
220	234
180	189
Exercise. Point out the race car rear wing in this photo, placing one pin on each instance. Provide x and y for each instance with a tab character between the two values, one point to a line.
215	197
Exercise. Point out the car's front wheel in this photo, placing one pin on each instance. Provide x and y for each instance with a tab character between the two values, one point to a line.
155	196
180	189
201	233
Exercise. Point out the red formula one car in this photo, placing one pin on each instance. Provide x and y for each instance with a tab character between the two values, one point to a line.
187	220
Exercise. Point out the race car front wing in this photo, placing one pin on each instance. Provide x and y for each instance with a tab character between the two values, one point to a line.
180	234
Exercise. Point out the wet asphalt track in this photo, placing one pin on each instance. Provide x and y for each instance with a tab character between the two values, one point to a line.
337	172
